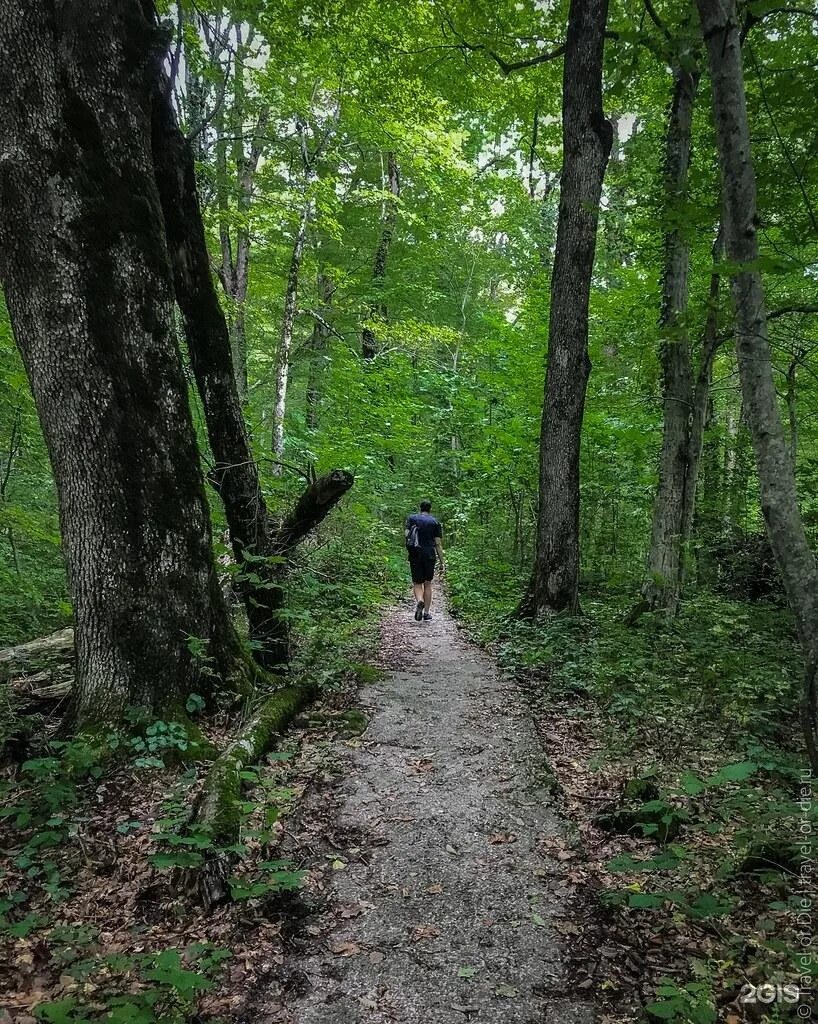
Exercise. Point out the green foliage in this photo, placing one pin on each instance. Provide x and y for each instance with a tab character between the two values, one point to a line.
703	712
705	706
164	987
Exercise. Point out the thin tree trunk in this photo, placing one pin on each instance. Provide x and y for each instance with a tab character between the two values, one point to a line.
254	536
701	398
662	588
234	271
739	463
378	310
779	498
318	349
587	139
87	278
708	512
792	413
286	340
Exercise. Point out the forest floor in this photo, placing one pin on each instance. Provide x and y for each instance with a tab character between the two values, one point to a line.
438	839
434	855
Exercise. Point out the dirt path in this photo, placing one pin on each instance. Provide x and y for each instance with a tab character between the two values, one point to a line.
443	901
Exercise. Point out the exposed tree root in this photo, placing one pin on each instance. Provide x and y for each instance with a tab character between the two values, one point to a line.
218	808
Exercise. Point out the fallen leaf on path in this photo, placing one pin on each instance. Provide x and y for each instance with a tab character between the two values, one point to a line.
376	957
506	992
466	972
423	931
502	837
434	890
345	948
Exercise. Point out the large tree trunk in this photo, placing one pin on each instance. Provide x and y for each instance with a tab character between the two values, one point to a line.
378	310
587	139
779	499
285	343
87	277
662	588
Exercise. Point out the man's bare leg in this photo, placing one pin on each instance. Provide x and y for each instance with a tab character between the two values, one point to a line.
417	588
427	595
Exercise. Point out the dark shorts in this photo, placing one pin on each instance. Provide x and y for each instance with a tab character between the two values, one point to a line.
422	566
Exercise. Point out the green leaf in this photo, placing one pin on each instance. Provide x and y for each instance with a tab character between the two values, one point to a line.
176	860
22	929
169	972
664	1010
707	905
733	773
60	1011
692	784
644	901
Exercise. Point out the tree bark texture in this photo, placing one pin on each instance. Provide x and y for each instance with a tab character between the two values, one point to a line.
378	310
663	586
779	498
87	277
587	139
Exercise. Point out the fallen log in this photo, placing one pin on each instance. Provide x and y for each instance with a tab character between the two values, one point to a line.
59	643
42	686
40	669
217	811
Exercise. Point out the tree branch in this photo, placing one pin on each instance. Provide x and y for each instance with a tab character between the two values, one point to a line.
315	503
774	314
657	21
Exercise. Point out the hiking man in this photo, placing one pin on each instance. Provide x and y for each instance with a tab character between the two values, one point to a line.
423	541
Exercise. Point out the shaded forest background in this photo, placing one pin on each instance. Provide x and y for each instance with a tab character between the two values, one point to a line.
380	187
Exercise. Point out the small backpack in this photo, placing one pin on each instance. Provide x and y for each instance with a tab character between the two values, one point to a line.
413	539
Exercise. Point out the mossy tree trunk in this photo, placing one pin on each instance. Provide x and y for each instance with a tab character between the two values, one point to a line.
87	277
217	812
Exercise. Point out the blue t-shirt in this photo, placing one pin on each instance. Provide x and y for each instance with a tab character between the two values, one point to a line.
428	529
